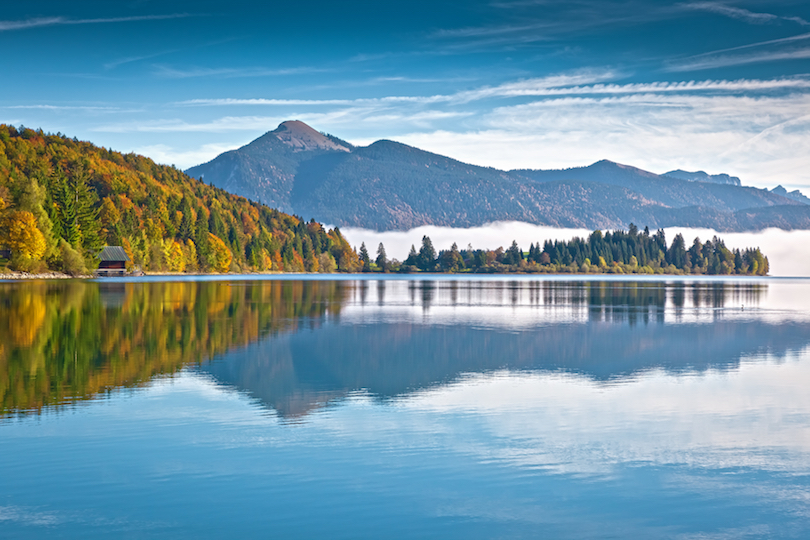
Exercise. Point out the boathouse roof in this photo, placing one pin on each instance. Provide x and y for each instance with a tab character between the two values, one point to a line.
113	254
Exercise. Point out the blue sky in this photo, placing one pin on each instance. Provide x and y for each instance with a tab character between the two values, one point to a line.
717	86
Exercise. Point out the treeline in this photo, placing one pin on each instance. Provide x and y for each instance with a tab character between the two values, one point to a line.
618	252
62	199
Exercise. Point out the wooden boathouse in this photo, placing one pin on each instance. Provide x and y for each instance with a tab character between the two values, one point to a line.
113	262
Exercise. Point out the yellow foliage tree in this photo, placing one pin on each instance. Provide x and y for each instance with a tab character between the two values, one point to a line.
267	262
222	255
23	237
110	217
177	260
128	250
190	251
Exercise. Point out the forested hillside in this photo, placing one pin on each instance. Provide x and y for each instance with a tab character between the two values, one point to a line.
62	199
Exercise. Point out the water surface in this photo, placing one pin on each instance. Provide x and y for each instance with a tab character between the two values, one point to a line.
422	408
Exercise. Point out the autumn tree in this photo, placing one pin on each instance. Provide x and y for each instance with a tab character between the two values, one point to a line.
220	255
24	239
110	222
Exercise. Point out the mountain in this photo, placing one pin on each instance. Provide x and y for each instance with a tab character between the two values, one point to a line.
265	170
668	191
389	185
796	195
701	176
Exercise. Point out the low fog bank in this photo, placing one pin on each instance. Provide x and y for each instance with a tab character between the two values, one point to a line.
787	251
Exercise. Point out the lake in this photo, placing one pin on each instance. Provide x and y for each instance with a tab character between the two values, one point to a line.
426	407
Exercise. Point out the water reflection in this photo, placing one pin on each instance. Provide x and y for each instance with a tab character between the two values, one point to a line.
61	342
298	344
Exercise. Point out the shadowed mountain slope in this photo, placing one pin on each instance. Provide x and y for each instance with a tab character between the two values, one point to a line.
388	185
672	192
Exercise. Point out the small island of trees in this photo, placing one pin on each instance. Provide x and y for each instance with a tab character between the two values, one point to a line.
616	252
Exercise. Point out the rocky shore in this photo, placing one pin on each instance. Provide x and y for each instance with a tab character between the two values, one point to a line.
43	275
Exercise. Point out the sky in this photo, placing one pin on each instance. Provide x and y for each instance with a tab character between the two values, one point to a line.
719	86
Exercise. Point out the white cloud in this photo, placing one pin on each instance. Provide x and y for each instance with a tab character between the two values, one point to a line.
585	83
714	62
742	14
227	72
227	123
262	101
167	155
490	236
25	24
763	140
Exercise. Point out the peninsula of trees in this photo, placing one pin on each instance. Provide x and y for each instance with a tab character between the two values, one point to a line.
617	252
62	199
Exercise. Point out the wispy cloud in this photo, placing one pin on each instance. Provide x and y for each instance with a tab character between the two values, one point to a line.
176	73
63	107
725	60
137	58
758	44
528	25
773	49
521	25
227	123
560	85
130	59
742	14
38	22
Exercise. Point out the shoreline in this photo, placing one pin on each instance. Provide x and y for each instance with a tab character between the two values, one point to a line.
42	275
20	276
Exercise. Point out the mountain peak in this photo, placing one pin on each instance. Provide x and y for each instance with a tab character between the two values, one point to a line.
302	137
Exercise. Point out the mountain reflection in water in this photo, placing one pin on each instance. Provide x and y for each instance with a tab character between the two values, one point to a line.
297	344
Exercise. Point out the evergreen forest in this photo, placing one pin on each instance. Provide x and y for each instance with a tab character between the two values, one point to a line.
616	252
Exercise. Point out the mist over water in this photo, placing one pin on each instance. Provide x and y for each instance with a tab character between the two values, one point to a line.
785	249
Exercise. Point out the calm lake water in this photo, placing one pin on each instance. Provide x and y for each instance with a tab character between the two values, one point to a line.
390	408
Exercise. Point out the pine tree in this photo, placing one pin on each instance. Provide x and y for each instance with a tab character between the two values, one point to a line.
382	260
427	255
364	258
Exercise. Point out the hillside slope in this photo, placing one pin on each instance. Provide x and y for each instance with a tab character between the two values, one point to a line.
62	199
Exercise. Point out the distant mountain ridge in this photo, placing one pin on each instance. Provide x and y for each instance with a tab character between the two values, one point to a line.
796	195
701	176
389	186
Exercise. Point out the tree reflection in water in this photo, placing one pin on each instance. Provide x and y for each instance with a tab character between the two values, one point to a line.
286	342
